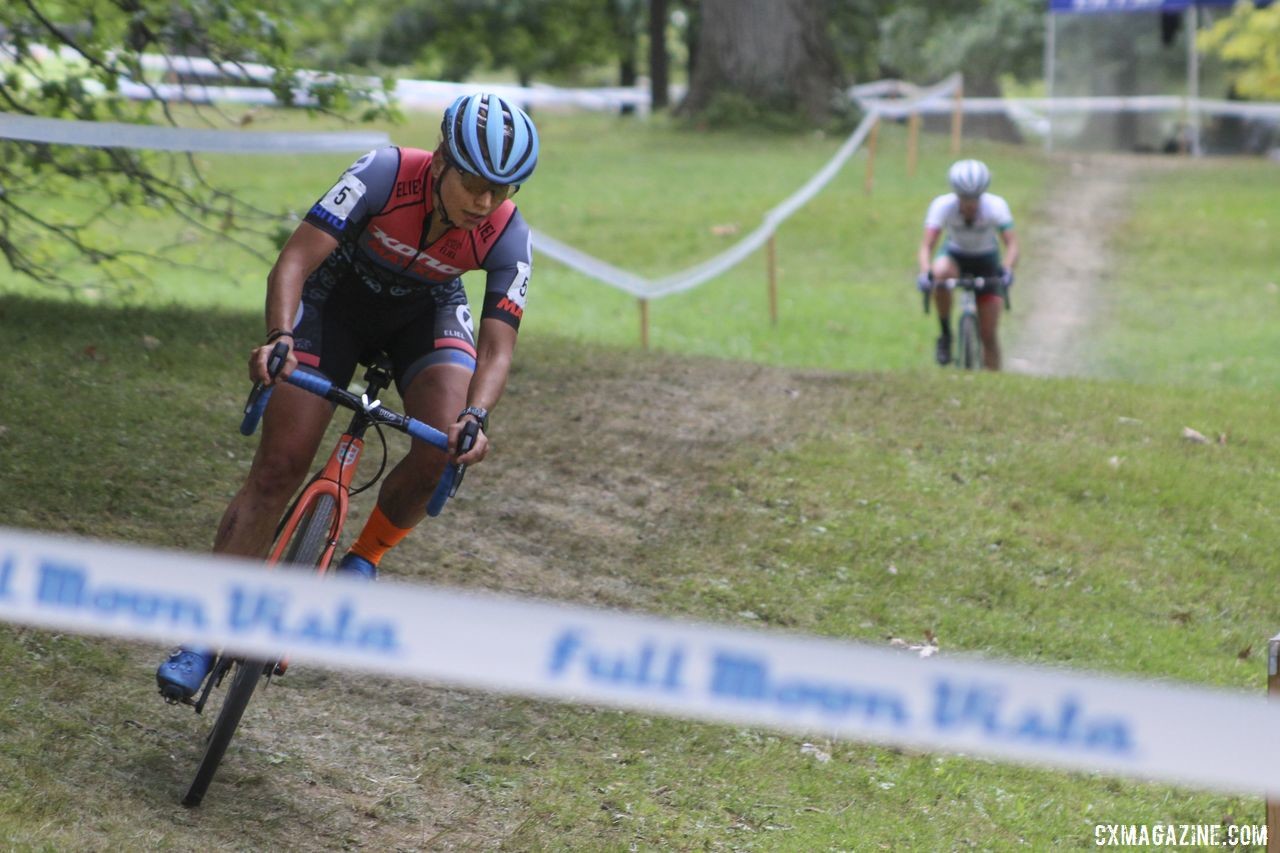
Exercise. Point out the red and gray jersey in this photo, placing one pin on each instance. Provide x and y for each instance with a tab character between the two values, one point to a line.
977	237
380	210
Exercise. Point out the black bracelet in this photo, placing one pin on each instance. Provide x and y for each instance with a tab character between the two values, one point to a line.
276	334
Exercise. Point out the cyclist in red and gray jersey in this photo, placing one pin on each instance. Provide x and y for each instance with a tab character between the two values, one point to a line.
380	212
977	223
376	266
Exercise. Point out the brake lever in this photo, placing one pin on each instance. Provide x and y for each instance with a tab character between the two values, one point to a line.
275	363
466	441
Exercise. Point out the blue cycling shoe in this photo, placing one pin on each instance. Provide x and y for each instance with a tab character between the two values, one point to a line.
182	674
355	566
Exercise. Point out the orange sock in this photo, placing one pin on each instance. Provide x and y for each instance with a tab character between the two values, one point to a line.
378	537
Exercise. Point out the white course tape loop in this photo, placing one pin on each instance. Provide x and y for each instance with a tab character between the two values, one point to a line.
645	288
1148	730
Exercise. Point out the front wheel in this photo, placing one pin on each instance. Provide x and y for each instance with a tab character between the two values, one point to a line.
307	547
248	672
970	343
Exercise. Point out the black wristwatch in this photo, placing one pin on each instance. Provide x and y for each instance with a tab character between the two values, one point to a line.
482	415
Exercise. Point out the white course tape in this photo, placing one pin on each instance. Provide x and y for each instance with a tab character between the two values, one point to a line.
1090	104
1198	736
687	279
107	134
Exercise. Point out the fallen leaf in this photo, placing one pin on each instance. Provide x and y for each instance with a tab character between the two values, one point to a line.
726	230
1245	652
149	342
1194	437
1222	439
927	649
1182	617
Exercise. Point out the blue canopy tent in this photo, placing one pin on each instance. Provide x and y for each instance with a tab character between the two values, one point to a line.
1189	8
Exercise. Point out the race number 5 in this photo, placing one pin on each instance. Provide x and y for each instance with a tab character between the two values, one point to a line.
342	198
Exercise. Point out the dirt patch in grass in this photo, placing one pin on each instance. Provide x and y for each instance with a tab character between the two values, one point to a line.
1066	247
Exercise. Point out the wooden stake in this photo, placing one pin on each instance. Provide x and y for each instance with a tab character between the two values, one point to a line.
957	119
871	156
913	143
644	323
772	255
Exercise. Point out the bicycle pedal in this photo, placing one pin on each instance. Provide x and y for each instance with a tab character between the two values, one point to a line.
172	695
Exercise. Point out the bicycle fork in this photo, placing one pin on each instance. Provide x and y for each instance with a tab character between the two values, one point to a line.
335	481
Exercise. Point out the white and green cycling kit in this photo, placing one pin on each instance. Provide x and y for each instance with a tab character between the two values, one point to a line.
974	244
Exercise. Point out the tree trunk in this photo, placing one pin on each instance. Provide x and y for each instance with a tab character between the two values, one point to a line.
624	15
774	53
691	32
658	88
627	75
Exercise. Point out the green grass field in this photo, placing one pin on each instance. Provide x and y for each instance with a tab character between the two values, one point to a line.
1198	283
844	488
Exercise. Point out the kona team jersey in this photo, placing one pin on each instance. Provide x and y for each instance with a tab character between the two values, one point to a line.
379	212
970	238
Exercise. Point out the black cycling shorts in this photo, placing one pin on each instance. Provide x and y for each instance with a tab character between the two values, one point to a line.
985	265
342	322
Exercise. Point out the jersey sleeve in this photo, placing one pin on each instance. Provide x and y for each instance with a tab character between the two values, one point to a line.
1001	214
508	265
939	208
361	191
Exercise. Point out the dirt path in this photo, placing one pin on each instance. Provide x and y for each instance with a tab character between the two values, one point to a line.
1067	258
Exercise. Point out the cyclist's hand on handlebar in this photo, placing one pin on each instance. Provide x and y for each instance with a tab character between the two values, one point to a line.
458	433
260	357
1006	277
924	282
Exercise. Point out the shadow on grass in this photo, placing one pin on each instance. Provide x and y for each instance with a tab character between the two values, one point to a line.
120	422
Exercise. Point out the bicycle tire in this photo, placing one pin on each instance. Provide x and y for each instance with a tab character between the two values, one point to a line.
306	548
970	343
248	673
312	537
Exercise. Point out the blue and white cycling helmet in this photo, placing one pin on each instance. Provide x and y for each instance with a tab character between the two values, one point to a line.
491	137
970	178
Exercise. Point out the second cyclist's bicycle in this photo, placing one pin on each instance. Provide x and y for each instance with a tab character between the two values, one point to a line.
969	340
308	533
